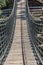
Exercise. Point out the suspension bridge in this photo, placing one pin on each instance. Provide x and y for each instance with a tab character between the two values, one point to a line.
20	36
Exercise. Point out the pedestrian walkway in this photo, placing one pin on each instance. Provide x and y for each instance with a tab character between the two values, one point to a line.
21	52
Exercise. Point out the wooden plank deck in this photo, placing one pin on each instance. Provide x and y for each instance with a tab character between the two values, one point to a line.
21	36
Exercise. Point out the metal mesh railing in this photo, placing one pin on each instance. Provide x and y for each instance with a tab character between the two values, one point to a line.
6	33
36	34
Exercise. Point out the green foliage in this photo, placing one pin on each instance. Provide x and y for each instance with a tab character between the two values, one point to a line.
2	3
0	12
5	4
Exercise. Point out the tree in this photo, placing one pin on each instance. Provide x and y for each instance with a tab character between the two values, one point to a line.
5	4
2	3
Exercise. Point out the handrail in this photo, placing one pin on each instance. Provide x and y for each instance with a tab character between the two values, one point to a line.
7	26
31	18
35	28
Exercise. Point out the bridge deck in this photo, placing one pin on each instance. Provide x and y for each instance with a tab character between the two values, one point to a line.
21	51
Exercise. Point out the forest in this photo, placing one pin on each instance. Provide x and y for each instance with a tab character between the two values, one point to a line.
5	4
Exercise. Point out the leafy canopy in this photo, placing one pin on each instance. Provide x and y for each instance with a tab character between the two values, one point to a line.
3	3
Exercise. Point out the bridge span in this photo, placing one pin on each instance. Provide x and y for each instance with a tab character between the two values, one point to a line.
19	49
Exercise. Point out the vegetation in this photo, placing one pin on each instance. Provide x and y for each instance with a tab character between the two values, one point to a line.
4	4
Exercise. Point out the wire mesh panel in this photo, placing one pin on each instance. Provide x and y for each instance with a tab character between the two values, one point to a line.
6	33
35	23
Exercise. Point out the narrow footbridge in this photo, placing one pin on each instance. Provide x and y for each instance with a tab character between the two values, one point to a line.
18	42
